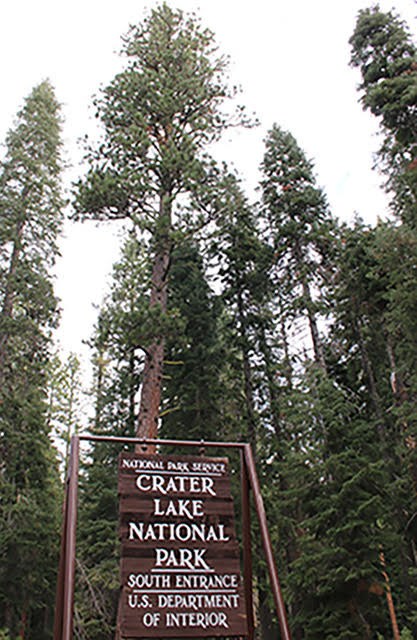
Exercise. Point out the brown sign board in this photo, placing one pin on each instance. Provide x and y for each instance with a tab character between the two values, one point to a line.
180	568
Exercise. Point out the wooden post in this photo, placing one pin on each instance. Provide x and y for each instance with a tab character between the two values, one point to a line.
59	601
247	546
69	572
266	541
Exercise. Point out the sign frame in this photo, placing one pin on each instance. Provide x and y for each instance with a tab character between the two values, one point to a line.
64	610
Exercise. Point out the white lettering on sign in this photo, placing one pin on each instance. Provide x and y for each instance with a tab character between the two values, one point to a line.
198	601
151	619
177	466
202	620
175	484
215	581
140	463
148	581
216	468
136	601
181	559
182	508
182	531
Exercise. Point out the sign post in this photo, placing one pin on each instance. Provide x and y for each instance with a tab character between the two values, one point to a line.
180	560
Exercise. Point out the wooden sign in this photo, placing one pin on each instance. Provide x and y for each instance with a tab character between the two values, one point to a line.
180	567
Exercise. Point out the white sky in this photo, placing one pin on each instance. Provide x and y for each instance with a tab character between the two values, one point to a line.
290	58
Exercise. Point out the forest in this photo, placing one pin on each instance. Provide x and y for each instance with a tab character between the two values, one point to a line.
269	321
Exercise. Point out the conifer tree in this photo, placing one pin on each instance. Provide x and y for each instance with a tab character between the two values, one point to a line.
384	51
30	220
330	507
367	359
323	444
299	224
159	115
241	258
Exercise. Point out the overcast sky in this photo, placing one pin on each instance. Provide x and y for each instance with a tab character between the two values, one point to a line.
290	58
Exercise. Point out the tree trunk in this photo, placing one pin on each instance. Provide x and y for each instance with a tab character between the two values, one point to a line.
308	304
288	373
23	623
247	376
132	390
397	385
390	602
99	390
150	401
151	390
368	369
274	399
314	331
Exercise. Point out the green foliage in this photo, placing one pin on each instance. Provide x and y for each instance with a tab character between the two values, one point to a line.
158	115
4	635
64	399
386	55
383	49
30	177
30	220
195	356
325	490
370	355
242	260
301	230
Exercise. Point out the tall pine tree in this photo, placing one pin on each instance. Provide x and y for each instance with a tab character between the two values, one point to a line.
299	226
30	220
159	115
384	52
